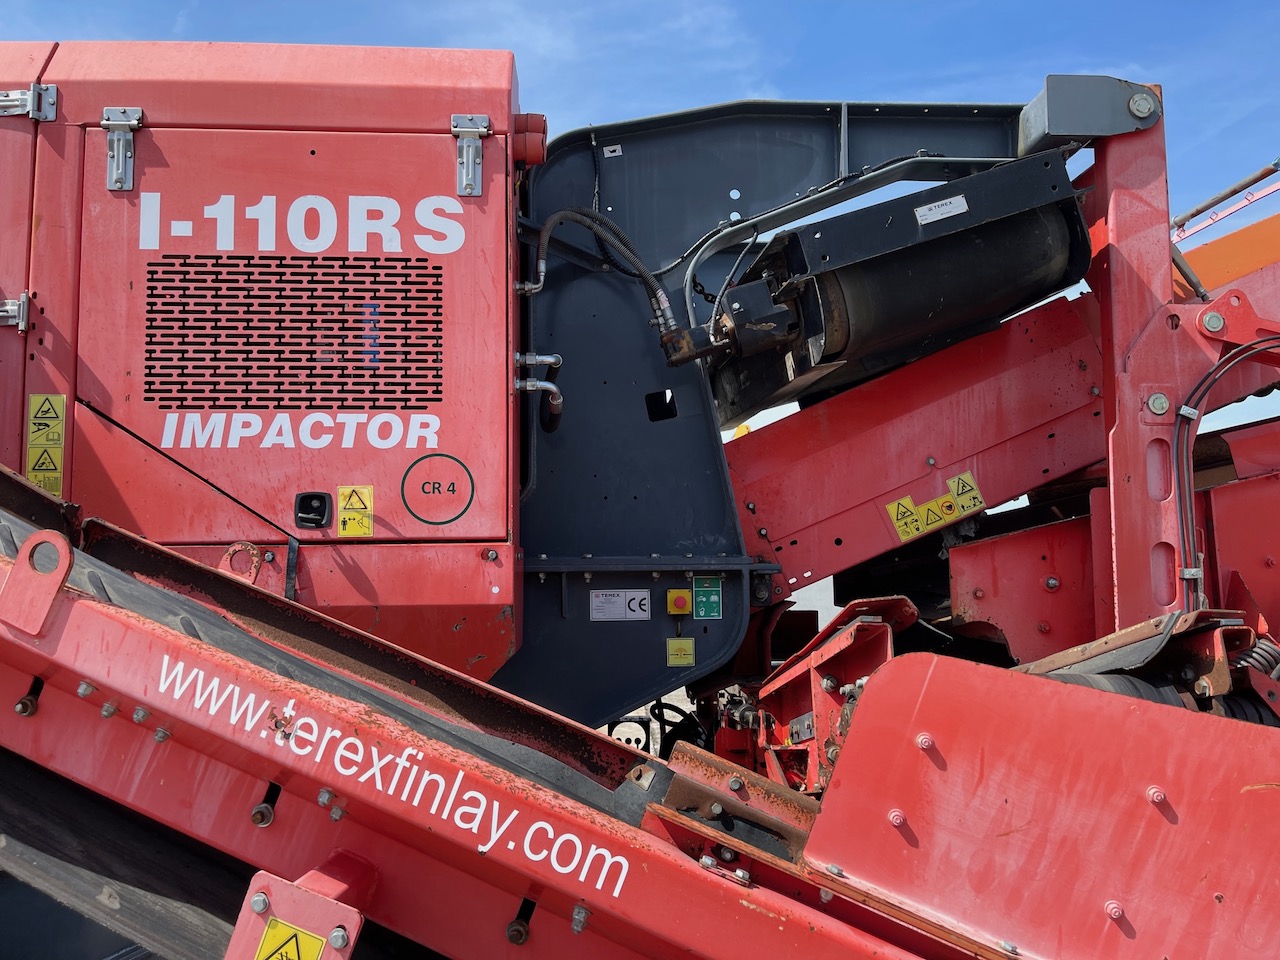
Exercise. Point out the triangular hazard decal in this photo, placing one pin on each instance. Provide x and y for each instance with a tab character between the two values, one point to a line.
354	502
963	486
44	463
903	513
46	411
931	516
289	950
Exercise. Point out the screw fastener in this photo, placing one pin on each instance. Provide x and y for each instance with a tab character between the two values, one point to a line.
26	707
735	784
1114	910
161	735
85	688
742	875
1156	795
1142	105
108	710
262	815
338	938
258	903
580	914
1158	404
925	742
1214	321
140	714
897	817
1052	583
324	797
517	932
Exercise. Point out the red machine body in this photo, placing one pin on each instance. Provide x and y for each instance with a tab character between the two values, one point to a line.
261	540
280	252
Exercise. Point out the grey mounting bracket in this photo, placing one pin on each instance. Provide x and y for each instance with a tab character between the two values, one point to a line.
39	102
120	122
470	129
13	313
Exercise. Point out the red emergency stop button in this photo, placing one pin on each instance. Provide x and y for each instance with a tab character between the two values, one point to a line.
679	601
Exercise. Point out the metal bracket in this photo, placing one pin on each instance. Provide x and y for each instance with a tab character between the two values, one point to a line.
470	129
120	122
13	313
39	102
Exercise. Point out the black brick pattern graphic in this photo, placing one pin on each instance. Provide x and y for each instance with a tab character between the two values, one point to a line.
291	333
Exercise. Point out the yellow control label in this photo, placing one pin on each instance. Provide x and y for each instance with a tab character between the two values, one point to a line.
680	652
46	439
912	520
355	511
283	941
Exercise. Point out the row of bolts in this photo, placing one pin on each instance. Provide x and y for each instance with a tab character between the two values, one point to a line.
263	813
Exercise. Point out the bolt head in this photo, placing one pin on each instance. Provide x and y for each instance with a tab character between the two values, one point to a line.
826	896
830	684
25	707
258	903
1114	910
262	815
1156	795
717	809
1214	321
897	817
269	556
1158	404
108	710
742	875
517	932
925	742
835	870
1052	583
85	688
1142	105
336	814
140	714
706	861
161	735
762	532
978	593
338	938
735	784
324	797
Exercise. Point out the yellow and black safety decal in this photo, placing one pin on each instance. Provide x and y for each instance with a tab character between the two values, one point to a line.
355	511
283	941
680	652
913	520
46	440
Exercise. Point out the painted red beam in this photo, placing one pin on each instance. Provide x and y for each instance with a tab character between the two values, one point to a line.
1013	409
192	737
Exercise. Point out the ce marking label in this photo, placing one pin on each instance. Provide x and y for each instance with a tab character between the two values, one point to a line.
619	604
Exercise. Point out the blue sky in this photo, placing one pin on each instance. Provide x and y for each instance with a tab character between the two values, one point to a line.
583	63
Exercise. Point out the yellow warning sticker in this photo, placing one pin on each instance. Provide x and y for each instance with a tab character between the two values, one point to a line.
939	512
905	518
912	520
680	652
965	490
355	511
46	438
283	941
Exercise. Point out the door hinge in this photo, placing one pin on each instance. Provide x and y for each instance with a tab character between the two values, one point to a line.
39	102
13	313
120	122
470	129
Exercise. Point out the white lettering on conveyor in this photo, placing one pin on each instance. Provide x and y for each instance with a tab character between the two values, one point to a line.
447	796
